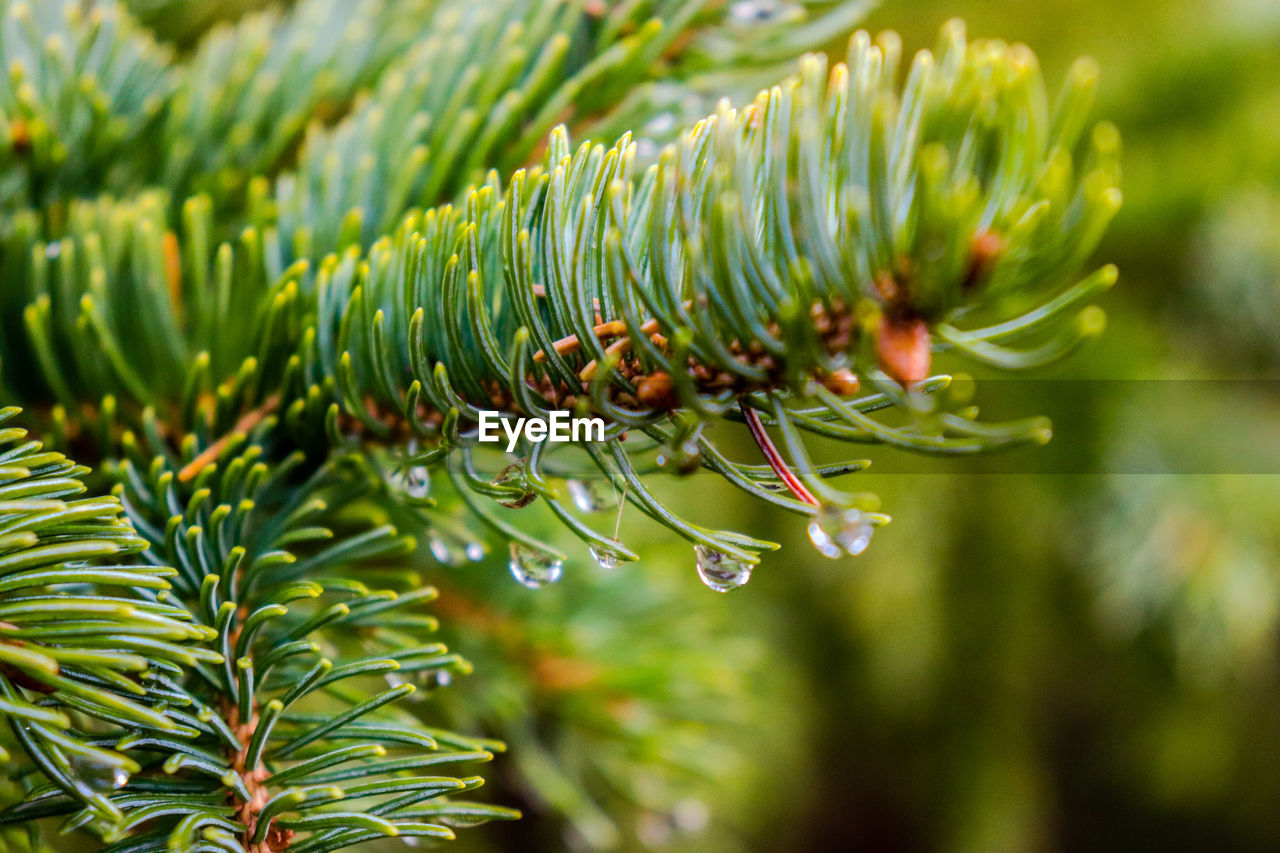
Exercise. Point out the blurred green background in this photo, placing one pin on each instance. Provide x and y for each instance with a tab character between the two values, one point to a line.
1020	662
1079	657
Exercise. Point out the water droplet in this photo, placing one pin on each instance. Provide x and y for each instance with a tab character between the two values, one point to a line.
840	530
653	830
396	680
691	815
683	458
461	821
604	559
754	11
425	680
533	568
101	777
661	124
442	551
589	495
511	475
417	482
720	571
475	552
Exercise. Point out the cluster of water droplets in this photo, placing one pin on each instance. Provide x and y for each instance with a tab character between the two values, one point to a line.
533	567
838	531
720	571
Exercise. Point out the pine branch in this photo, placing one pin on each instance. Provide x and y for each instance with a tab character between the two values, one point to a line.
250	90
184	22
84	89
84	625
834	230
496	75
485	89
273	402
732	50
271	598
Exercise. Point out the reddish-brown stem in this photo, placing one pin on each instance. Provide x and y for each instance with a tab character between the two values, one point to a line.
247	422
776	462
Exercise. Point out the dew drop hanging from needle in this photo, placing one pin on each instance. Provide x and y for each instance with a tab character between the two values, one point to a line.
413	480
417	482
719	571
606	559
837	531
533	568
588	497
444	553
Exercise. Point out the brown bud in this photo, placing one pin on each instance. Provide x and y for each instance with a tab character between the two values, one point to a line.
903	346
657	391
20	136
887	286
985	251
841	382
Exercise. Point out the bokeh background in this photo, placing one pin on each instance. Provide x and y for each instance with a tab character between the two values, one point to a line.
1075	653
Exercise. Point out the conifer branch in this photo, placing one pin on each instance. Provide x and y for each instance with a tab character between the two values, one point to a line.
268	608
278	374
827	236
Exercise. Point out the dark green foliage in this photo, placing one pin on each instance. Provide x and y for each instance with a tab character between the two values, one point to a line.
82	622
210	687
83	87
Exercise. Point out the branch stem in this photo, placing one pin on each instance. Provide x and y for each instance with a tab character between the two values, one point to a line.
773	457
247	421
